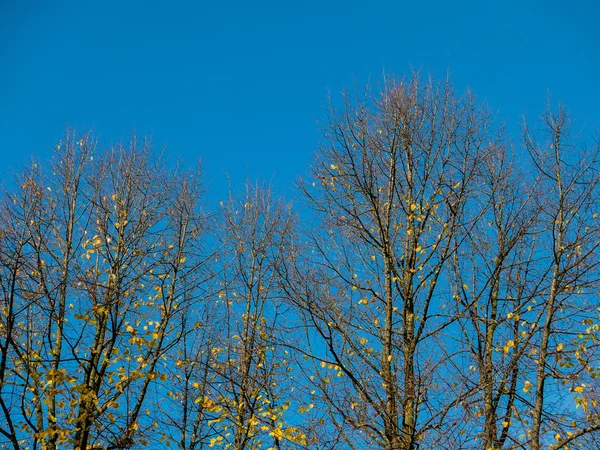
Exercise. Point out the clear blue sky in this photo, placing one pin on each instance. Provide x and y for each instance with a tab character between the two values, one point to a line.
242	85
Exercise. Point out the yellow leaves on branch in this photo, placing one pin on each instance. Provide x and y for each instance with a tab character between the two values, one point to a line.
57	377
209	405
510	344
582	400
215	441
306	408
291	434
514	316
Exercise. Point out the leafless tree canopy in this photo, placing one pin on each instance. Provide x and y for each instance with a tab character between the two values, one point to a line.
440	290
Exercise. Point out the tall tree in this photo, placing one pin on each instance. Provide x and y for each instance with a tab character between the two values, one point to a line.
445	294
568	280
525	294
492	291
231	376
391	185
111	244
252	365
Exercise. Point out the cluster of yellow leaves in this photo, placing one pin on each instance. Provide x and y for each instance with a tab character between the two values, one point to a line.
291	434
338	369
509	344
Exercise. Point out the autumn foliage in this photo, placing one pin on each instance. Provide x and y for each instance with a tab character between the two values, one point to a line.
441	291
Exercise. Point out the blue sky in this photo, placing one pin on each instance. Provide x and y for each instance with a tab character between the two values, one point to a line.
242	85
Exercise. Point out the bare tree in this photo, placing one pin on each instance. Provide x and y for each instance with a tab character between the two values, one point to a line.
188	415
15	251
492	290
568	280
391	185
112	243
524	284
444	295
252	369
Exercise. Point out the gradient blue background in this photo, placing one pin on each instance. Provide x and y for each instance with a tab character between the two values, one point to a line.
242	85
